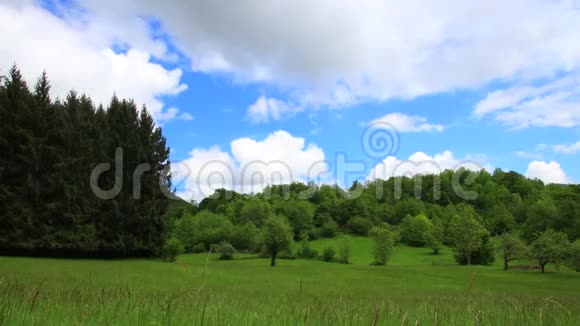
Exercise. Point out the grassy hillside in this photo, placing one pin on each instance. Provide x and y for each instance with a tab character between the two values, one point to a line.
246	290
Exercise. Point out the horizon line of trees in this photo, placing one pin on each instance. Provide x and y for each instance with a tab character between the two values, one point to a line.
49	148
507	203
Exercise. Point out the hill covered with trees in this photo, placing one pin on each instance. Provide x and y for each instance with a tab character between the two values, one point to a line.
421	211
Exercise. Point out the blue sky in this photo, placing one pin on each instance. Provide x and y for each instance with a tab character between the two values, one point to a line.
244	82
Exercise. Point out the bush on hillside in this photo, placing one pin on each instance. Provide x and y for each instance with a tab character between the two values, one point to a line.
305	251
359	225
172	249
328	254
344	250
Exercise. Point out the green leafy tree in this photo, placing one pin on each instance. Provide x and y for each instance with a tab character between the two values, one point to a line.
359	225
434	238
212	228
549	247
500	220
382	245
540	217
276	237
245	237
185	232
225	250
467	235
256	211
300	214
172	249
329	229
414	228
510	248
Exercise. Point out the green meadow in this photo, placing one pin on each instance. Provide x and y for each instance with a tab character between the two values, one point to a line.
415	288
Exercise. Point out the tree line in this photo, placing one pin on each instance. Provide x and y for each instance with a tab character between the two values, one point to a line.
508	207
49	149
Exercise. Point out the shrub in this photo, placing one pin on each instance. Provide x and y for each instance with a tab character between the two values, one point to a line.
305	251
329	229
172	249
383	245
225	249
434	239
414	228
344	250
359	225
328	254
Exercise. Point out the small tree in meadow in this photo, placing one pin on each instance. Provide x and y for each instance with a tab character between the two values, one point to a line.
172	249
550	247
510	248
276	237
467	236
383	245
328	254
225	249
434	238
344	250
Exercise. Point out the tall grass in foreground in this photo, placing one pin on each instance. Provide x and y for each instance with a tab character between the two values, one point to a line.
32	304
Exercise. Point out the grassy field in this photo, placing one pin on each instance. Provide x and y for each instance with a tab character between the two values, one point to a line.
411	290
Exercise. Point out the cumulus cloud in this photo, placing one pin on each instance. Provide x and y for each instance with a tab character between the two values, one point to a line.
421	163
548	172
250	165
568	148
407	123
341	53
79	56
555	103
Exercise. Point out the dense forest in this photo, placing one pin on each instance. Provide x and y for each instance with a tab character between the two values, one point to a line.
426	212
49	150
48	205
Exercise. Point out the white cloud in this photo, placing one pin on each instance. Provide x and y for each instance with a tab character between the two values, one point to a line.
407	123
548	172
568	148
78	56
251	165
538	154
266	109
341	53
421	163
555	103
172	114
